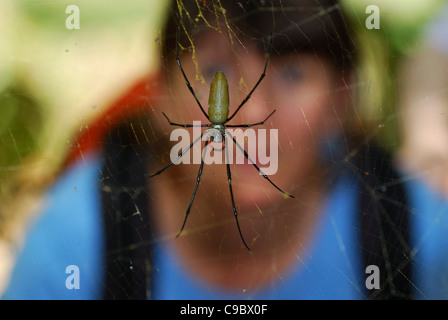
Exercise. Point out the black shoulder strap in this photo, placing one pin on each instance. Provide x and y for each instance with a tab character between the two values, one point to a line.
126	220
384	225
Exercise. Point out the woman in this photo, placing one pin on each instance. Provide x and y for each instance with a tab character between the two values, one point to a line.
349	209
310	92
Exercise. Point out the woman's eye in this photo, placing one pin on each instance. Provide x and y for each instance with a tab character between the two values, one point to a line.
291	73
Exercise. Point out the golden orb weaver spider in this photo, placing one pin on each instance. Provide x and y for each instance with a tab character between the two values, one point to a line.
218	115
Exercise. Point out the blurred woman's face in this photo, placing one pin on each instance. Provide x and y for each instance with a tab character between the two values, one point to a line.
306	94
300	87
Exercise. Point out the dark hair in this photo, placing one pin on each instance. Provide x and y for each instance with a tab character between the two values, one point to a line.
310	26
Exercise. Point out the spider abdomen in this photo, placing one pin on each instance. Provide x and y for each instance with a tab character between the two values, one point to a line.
218	102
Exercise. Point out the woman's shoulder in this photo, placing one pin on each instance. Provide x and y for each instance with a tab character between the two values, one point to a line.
66	233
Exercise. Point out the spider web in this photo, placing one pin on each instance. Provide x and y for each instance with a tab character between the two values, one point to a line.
354	205
342	156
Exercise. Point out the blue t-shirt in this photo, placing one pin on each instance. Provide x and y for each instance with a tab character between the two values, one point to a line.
69	232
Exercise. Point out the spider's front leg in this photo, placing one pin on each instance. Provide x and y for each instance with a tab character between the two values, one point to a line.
198	180
183	125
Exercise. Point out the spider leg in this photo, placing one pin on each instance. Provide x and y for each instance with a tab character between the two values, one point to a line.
250	125
286	194
229	176
256	85
183	125
195	189
185	76
180	156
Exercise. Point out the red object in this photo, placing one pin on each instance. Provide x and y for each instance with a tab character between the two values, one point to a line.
131	102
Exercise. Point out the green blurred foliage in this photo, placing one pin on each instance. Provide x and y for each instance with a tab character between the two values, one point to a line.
381	52
50	76
94	15
38	73
20	125
401	20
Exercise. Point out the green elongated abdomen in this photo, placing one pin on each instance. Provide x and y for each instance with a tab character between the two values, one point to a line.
218	101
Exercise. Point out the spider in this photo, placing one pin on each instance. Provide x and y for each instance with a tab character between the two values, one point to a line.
218	111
